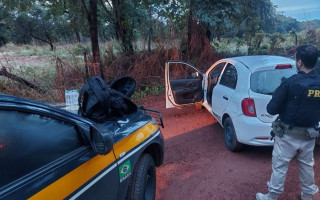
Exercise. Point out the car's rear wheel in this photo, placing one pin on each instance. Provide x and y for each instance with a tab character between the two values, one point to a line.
143	183
230	136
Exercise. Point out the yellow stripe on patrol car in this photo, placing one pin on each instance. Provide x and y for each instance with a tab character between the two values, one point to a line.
134	139
63	187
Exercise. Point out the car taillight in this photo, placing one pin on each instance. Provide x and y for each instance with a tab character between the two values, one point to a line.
283	66
248	107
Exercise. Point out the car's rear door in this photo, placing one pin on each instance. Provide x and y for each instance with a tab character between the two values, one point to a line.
184	84
224	90
46	155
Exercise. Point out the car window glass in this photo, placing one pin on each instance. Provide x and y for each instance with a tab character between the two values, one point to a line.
183	71
217	70
30	141
266	81
229	77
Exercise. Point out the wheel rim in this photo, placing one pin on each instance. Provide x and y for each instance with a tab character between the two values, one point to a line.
150	184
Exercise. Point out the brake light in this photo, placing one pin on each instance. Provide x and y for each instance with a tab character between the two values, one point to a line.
248	108
283	66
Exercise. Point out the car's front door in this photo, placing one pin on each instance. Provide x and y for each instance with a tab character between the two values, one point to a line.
184	84
46	156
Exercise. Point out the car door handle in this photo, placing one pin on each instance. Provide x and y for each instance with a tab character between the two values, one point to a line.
226	98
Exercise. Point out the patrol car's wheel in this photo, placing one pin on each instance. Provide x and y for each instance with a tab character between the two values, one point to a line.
230	137
143	183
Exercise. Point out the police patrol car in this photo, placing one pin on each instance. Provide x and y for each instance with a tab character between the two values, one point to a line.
50	153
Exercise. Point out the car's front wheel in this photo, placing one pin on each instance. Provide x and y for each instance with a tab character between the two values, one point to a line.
230	136
143	183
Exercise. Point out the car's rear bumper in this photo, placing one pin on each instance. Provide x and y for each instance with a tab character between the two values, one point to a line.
252	131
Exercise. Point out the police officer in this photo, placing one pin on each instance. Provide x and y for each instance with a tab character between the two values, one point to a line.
297	101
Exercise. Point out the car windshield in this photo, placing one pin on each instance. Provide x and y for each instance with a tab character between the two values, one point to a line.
267	81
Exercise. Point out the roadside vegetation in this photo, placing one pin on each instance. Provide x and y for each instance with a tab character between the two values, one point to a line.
52	46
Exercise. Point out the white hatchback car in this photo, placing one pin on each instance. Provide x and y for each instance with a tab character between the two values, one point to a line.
235	91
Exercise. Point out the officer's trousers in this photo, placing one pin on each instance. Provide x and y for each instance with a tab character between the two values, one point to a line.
284	150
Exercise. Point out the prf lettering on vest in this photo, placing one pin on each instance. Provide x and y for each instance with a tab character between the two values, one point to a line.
314	93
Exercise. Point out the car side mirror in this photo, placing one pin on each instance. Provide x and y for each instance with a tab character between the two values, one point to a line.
101	139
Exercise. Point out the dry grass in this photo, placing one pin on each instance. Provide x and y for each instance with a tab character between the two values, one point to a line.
64	69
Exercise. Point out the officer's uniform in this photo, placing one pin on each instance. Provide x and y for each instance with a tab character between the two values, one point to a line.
297	101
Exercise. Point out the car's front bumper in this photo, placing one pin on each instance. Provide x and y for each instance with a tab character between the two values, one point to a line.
252	131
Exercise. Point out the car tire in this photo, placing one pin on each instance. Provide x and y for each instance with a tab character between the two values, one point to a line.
230	136
143	183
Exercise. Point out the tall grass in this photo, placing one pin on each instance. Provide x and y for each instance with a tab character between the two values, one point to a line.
64	68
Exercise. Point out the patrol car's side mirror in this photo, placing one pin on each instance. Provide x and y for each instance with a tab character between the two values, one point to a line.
101	139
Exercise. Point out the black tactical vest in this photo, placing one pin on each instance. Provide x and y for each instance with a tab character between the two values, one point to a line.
304	100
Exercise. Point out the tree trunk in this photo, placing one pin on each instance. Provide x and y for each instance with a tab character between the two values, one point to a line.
92	16
209	34
43	40
150	30
121	26
93	23
190	21
86	73
4	72
78	36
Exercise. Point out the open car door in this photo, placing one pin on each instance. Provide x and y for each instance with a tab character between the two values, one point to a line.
184	84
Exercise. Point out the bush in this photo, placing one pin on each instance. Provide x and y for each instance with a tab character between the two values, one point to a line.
153	89
78	49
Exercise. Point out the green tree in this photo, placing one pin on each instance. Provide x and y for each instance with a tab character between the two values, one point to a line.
275	40
148	12
69	14
120	14
74	10
215	16
35	24
4	27
254	16
286	24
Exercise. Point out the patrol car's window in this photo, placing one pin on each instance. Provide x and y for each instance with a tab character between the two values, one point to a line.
267	81
229	77
30	141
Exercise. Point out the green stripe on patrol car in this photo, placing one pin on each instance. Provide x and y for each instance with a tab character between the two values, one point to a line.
125	170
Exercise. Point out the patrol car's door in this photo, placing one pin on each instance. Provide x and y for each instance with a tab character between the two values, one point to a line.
47	155
184	84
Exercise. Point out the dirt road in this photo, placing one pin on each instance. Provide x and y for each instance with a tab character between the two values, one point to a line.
197	165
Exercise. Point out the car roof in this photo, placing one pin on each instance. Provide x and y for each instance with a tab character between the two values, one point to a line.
258	61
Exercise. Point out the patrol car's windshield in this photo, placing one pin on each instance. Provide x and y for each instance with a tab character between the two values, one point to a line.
266	81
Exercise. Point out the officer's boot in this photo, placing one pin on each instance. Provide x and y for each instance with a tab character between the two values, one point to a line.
269	196
305	196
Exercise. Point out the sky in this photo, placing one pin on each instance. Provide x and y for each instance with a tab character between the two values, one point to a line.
302	10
